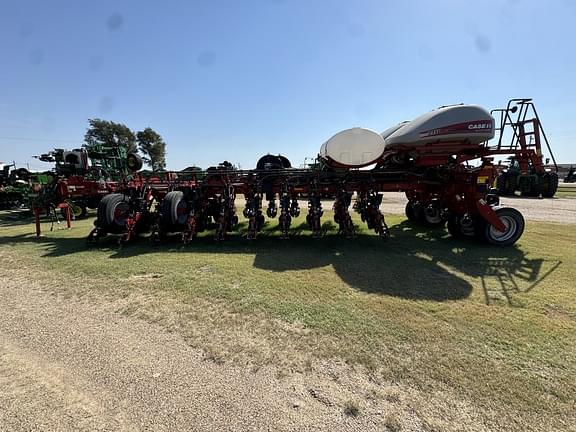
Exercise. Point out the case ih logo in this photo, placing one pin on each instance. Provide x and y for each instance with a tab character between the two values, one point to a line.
480	126
466	127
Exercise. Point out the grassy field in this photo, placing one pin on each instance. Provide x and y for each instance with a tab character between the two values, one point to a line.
493	328
566	192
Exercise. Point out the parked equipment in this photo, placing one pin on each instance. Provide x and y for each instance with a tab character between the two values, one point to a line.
14	187
522	137
571	176
80	180
427	158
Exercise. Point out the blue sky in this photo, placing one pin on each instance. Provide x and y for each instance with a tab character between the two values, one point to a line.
237	79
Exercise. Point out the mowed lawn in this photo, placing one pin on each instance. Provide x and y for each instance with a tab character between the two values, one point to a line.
494	326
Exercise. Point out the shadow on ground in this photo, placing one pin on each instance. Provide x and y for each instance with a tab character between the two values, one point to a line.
416	263
9	218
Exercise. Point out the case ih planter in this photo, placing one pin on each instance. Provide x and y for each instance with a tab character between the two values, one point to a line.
427	158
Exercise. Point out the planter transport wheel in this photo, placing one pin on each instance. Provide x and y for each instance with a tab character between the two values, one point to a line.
514	222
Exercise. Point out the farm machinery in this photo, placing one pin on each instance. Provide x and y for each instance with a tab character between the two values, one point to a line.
19	187
80	179
571	176
83	176
14	188
520	135
442	160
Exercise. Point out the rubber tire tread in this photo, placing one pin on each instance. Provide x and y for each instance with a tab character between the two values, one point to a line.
520	223
106	209
411	212
551	186
170	208
101	211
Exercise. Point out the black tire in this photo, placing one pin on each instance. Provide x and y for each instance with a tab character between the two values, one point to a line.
431	221
101	212
416	213
534	187
511	184
515	224
411	212
22	173
458	231
550	186
453	228
501	184
112	211
285	161
134	162
272	162
538	189
174	210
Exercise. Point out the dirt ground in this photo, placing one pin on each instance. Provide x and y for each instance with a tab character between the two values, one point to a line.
562	210
69	364
66	365
73	364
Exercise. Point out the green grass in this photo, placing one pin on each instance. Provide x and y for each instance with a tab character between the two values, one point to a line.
496	326
566	192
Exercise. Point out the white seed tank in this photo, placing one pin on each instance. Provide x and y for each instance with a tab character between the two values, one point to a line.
393	129
466	123
353	148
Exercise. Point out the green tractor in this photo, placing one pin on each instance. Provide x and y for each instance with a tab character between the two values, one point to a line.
571	177
531	183
14	186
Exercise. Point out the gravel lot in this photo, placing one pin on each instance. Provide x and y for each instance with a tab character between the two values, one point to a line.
561	210
70	365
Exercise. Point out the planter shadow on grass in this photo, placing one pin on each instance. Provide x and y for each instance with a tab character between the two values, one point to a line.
416	263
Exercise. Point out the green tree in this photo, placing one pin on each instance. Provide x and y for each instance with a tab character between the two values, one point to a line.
153	148
111	134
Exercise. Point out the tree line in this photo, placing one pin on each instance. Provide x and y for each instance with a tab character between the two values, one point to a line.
148	142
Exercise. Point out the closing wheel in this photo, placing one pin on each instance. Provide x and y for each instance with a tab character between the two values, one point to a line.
463	227
428	216
431	217
514	222
411	212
